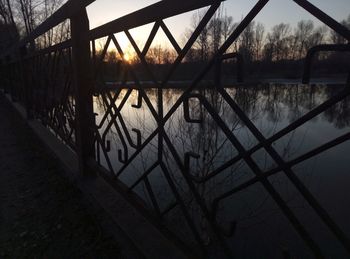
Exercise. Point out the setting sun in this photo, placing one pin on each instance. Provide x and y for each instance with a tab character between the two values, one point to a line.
127	57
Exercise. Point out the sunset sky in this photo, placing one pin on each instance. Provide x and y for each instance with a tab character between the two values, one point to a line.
276	11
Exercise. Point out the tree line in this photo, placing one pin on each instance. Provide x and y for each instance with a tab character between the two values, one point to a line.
18	18
267	52
256	43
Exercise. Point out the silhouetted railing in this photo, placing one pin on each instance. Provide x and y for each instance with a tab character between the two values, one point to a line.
59	84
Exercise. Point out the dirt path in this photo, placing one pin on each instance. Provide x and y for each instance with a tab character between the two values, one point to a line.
42	215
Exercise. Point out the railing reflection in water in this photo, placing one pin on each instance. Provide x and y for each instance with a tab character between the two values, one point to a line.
270	107
191	154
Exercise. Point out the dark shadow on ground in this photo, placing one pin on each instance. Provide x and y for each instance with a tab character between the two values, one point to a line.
42	214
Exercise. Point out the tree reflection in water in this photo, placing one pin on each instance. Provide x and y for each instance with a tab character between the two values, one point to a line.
270	107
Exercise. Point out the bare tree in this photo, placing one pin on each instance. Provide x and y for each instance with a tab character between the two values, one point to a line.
227	26
246	42
259	38
201	46
318	36
26	15
276	47
212	35
160	55
7	19
215	33
303	32
58	34
337	38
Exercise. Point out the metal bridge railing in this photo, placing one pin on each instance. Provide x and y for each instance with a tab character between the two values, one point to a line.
57	85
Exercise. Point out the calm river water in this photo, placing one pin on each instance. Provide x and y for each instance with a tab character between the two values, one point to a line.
262	231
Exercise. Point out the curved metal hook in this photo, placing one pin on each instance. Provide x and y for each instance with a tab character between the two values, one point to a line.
232	226
138	138
231	229
107	145
318	48
138	105
187	112
120	155
240	67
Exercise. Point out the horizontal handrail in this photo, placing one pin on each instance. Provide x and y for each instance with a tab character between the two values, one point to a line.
63	13
319	48
158	11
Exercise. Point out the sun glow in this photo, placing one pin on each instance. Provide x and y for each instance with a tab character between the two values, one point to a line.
127	57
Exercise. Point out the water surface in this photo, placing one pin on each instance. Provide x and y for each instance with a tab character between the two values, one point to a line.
260	224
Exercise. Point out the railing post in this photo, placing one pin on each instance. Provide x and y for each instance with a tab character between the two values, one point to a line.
83	89
27	81
8	74
13	81
2	74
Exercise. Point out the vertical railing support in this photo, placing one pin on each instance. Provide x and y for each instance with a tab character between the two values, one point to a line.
240	67
318	48
13	82
27	81
2	74
8	74
83	82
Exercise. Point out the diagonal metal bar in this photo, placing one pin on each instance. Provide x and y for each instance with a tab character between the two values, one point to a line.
310	115
114	115
322	213
108	108
142	91
137	152
256	170
198	198
170	37
144	175
291	163
142	58
233	37
182	205
152	196
325	18
209	14
150	38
